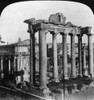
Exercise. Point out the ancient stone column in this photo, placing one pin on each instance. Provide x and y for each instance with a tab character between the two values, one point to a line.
42	59
65	67
1	67
80	53
18	69
21	66
55	69
84	61
32	50
34	67
31	54
73	65
9	65
90	55
2	63
14	64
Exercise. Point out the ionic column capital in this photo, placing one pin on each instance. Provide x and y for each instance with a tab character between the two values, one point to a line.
89	29
31	30
63	34
30	21
80	35
90	34
54	33
86	30
71	34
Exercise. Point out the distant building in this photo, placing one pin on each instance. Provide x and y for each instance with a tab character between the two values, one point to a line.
15	57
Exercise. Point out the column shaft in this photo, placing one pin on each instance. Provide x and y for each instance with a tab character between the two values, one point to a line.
34	69
1	63
14	64
55	57
21	66
18	69
73	66
32	55
80	54
84	61
9	65
1	67
31	60
90	55
65	70
42	59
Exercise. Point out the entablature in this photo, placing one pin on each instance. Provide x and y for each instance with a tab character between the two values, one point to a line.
56	24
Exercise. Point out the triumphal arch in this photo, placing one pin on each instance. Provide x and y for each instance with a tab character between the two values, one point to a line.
56	24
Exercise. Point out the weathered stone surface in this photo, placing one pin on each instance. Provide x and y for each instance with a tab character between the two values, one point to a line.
80	53
86	30
73	65
57	18
90	55
42	59
54	38
65	71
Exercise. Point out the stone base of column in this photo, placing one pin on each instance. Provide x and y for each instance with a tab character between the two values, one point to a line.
85	72
45	91
80	75
2	75
56	80
66	77
73	77
43	87
91	76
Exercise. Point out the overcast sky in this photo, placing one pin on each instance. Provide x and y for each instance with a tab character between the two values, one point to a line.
12	17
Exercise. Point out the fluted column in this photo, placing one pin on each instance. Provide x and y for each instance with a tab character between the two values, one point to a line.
80	53
54	43
42	59
90	54
73	65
